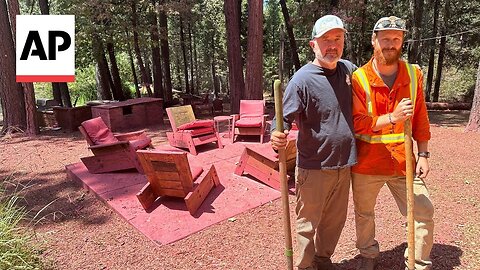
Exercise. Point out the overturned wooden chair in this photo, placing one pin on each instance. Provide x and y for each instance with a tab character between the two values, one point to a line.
111	152
169	173
188	132
261	161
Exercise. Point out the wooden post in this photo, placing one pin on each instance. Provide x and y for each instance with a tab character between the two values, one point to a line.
410	195
283	177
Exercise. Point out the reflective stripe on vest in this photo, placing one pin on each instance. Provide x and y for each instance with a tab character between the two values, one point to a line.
386	138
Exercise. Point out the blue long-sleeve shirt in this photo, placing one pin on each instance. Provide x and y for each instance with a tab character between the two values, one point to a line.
320	102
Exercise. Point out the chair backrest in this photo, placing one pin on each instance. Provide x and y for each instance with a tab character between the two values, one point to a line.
96	132
168	172
180	115
252	108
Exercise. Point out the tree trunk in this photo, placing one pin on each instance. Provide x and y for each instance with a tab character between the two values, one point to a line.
136	48
103	84
431	57
158	91
213	70
57	95
13	104
441	52
162	21
234	53
147	62
132	65
254	70
291	36
59	89
117	89
65	95
184	54
44	7
474	120
416	10
27	89
190	49
195	61
30	109
178	71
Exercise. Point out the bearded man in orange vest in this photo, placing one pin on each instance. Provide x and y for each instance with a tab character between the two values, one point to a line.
386	92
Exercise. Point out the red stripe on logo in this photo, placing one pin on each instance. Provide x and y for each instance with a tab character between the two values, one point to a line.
45	78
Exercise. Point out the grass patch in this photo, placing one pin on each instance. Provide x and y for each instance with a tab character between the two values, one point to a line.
16	251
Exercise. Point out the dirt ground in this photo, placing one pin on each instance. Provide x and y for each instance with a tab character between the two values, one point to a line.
77	231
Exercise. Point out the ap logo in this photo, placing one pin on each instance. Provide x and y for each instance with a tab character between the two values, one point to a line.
45	48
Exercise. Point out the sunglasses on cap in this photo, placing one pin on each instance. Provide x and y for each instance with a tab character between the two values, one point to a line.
390	23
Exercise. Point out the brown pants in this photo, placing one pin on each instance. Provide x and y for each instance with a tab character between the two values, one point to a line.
322	201
365	191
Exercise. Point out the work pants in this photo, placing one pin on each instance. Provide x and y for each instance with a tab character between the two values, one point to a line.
322	201
365	191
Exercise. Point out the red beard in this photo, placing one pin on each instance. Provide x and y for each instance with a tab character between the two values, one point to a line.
387	56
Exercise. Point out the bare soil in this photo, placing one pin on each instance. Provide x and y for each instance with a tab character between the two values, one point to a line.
74	230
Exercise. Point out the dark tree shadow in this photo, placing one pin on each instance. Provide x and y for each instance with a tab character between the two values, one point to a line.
444	257
46	202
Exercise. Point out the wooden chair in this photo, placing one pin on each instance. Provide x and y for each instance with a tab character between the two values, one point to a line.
202	105
261	161
111	152
217	106
251	120
188	132
169	173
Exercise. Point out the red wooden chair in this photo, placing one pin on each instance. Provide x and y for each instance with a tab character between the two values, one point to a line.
251	120
261	161
111	152
188	132
169	173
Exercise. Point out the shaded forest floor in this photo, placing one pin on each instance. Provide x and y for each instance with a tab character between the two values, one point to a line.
77	231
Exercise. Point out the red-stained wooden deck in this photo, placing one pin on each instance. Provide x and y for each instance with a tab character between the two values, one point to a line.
170	220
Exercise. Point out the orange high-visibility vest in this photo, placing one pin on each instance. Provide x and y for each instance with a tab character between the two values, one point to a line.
384	138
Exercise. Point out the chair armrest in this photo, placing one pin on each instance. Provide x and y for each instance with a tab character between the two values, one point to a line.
134	135
235	116
108	145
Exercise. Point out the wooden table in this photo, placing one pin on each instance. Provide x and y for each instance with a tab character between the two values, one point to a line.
132	113
218	119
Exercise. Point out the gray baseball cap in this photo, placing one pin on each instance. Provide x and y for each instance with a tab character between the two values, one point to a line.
390	23
325	24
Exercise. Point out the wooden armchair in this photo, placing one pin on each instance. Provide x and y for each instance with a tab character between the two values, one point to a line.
261	161
251	120
111	152
169	173
188	132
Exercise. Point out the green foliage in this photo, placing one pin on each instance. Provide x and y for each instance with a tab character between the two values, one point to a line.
15	250
458	84
84	87
43	90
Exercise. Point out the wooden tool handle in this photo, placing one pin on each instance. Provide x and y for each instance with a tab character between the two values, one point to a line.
410	194
283	176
